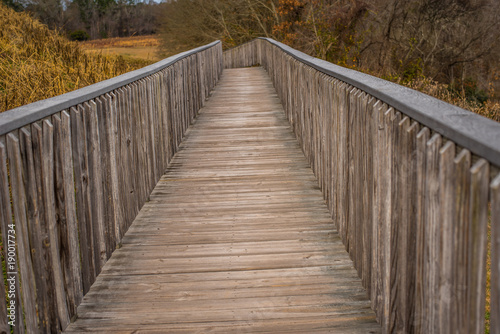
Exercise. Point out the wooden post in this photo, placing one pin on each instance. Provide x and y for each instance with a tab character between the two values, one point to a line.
495	255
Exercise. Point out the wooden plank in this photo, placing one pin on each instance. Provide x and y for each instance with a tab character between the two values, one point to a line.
352	168
141	147
149	113
169	118
19	204
461	246
376	284
343	175
50	216
80	165
360	182
15	319
495	255
129	145
476	294
237	233
112	129
408	281
95	185
66	211
399	224
394	224
384	214
34	228
447	236
420	288
432	242
158	123
6	214
135	110
46	290
368	134
124	162
164	115
104	118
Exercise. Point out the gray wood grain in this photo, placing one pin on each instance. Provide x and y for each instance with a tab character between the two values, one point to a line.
236	235
399	224
6	214
495	256
50	215
46	290
416	255
368	136
445	261
461	247
95	185
103	117
421	223
80	165
384	215
410	210
74	180
477	246
66	211
432	242
112	129
19	202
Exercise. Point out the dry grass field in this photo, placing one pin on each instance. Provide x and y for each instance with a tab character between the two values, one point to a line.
37	63
136	47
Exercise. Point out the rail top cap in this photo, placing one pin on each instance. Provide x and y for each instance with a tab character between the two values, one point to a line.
478	134
18	117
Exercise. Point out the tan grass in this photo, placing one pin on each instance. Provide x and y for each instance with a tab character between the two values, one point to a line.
425	85
146	53
122	42
135	47
37	63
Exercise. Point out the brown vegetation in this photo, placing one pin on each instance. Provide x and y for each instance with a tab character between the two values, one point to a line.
37	63
135	47
446	48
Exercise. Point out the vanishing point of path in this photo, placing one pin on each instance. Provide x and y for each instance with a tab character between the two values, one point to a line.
236	236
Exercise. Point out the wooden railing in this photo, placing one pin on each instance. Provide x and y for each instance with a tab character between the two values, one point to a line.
75	171
408	180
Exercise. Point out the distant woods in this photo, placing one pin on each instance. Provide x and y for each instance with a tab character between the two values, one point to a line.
421	43
454	42
92	19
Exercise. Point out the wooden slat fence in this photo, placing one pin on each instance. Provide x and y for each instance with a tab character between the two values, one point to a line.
409	181
75	171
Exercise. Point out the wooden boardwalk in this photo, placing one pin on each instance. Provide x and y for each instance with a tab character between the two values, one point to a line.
236	236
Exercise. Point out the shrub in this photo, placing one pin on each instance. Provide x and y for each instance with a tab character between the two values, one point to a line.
79	35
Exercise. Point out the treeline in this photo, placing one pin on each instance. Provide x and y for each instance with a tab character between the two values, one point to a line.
92	19
454	42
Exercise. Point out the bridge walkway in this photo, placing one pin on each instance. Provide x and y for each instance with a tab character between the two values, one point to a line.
236	236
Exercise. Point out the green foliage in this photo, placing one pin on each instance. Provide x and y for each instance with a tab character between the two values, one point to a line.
412	70
469	90
473	93
79	35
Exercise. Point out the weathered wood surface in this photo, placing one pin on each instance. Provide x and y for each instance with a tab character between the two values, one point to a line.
236	236
495	255
410	204
72	182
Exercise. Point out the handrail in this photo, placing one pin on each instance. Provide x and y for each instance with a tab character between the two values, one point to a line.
76	169
18	117
408	180
472	131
